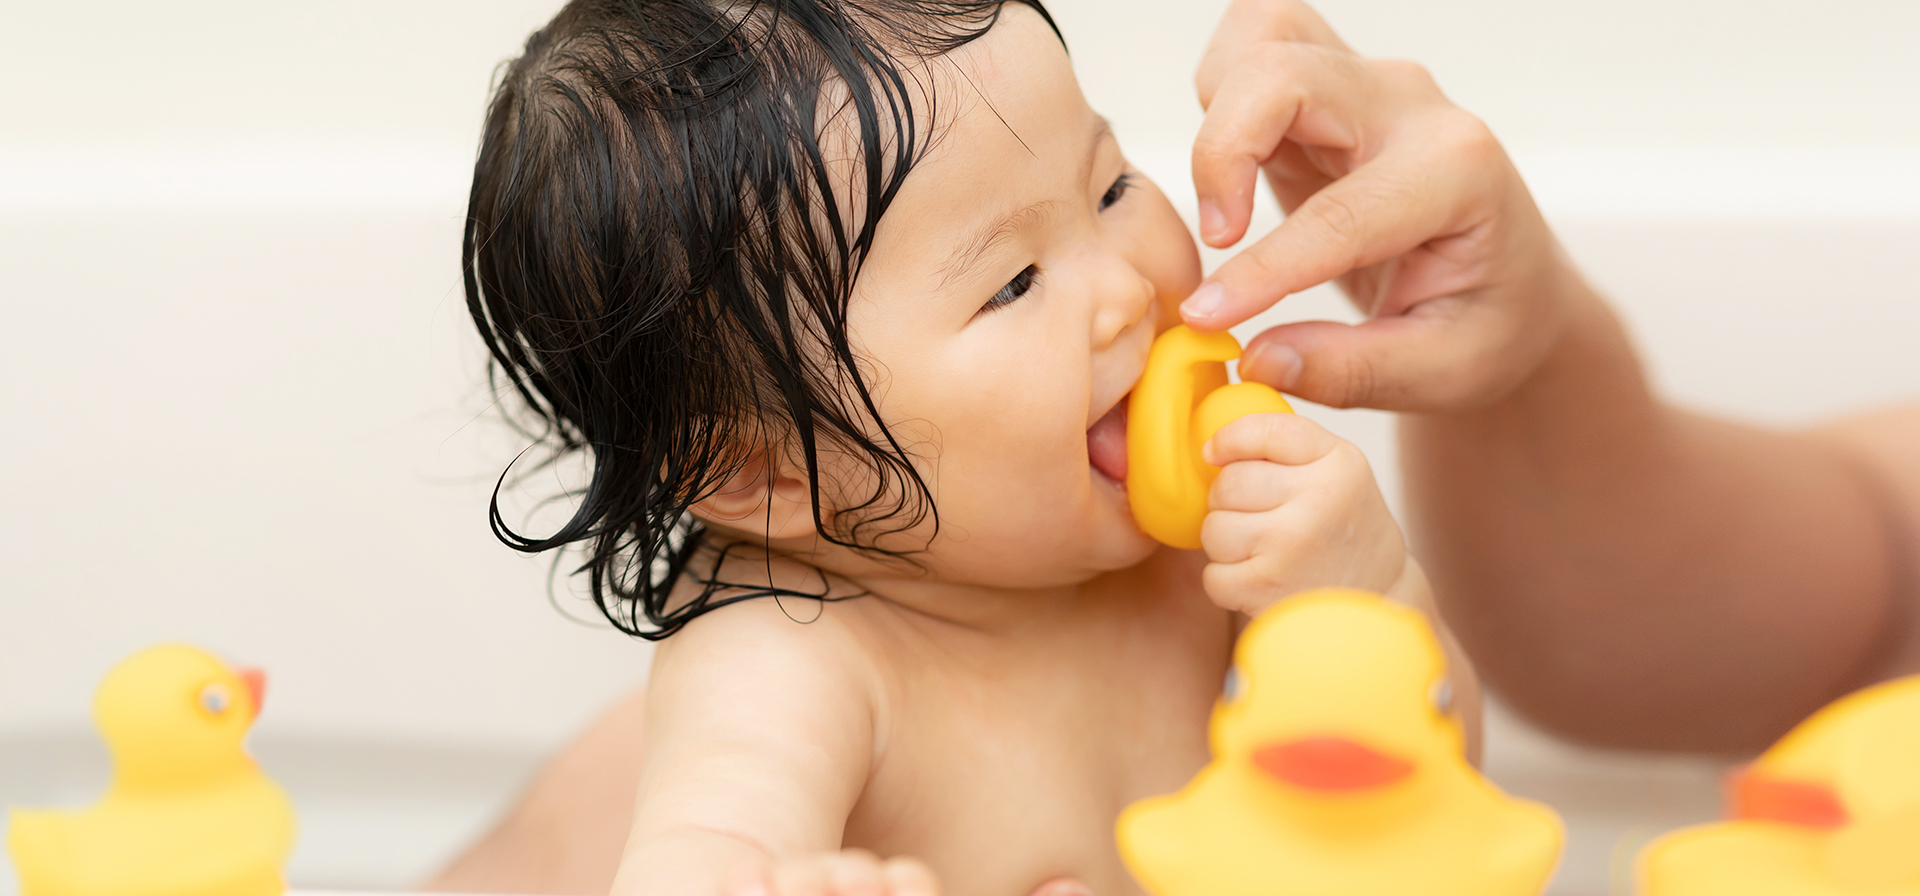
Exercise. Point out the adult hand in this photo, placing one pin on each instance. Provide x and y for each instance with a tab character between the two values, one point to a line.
1403	197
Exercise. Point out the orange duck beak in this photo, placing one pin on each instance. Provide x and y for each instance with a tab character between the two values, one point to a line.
256	682
1330	764
1804	803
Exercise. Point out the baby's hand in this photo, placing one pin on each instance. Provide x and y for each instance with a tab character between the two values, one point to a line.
1294	508
851	872
1403	197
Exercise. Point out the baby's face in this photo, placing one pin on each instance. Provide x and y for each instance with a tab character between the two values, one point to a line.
1007	307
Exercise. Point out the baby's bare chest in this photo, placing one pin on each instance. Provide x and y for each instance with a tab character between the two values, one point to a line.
1003	778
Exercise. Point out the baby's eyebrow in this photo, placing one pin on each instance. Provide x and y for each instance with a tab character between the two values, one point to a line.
981	241
998	231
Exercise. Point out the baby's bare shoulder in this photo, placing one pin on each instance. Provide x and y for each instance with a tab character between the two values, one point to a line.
748	709
762	653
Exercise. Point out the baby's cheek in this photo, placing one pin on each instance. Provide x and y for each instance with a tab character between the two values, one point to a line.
1167	254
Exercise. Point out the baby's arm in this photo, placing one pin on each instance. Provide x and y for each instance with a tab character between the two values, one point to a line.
760	739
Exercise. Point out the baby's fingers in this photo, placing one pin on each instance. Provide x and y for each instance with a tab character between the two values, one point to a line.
1063	886
1279	438
908	877
855	873
1248	586
1232	537
851	873
807	878
1251	486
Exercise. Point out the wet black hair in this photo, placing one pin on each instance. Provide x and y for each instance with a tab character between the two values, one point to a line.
658	263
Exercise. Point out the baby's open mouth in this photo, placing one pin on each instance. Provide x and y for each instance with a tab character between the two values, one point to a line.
1107	443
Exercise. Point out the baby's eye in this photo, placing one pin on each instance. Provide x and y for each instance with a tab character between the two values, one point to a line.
1121	185
1015	288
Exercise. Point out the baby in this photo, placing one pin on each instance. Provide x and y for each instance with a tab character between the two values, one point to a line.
843	301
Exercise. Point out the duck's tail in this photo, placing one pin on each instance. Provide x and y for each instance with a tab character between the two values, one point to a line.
35	845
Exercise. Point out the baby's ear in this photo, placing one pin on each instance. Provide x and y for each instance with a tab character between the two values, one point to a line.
765	497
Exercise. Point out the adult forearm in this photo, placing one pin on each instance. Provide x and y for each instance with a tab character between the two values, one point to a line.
1631	574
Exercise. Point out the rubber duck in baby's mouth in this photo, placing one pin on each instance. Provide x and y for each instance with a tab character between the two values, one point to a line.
1182	399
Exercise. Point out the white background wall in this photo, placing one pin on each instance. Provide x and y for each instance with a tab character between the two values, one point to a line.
242	404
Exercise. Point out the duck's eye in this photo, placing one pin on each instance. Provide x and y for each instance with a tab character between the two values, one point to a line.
1121	185
1234	686
215	698
1441	696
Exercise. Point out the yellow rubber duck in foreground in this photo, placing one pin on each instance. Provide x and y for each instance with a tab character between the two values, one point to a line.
1182	399
1833	808
188	813
1337	771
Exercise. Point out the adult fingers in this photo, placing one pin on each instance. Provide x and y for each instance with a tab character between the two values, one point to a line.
1248	22
1435	356
1300	93
1380	210
1280	438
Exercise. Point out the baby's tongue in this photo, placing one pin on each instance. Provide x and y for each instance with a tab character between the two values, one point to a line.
1107	443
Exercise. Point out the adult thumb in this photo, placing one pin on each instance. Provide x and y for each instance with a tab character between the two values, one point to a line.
1404	363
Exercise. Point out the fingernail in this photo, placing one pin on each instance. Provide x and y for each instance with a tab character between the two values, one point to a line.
1278	366
1213	222
1204	302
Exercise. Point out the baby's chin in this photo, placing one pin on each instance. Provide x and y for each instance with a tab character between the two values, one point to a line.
1121	544
1105	540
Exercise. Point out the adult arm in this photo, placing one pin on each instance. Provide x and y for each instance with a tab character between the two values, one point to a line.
1624	572
1632	574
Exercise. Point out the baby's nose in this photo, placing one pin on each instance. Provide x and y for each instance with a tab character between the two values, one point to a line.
1124	299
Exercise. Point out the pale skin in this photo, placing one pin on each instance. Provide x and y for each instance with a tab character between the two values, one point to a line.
1627	573
973	724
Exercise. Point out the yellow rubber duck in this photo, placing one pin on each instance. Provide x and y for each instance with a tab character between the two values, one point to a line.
1833	808
1338	771
1182	399
188	813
